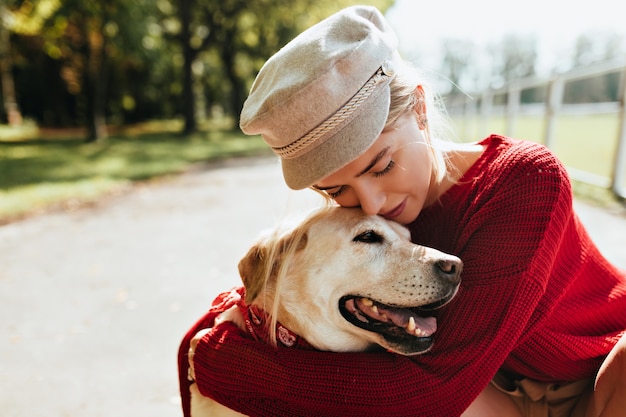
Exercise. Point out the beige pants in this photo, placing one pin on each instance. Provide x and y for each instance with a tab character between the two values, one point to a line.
546	399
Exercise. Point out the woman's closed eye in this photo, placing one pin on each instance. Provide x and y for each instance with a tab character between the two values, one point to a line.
335	193
385	170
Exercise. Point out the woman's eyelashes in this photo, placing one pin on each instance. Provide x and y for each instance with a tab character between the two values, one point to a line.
385	170
336	194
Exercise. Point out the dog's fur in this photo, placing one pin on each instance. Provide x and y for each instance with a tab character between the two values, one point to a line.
345	281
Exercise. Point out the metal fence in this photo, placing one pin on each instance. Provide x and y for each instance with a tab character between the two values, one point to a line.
547	102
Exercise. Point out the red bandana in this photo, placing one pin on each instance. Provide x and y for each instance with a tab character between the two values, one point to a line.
256	322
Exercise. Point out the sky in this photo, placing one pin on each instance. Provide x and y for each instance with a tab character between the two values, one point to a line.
420	24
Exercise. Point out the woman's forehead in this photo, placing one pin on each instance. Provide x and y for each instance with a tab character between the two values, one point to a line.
362	164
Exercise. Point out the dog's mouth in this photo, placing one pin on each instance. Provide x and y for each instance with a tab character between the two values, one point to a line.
405	327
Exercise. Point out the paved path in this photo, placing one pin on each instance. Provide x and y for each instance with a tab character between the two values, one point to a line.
94	302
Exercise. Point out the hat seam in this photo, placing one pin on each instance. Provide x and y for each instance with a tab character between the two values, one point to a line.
301	91
323	171
309	144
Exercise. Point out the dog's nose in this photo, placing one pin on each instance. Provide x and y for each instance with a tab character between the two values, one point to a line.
449	268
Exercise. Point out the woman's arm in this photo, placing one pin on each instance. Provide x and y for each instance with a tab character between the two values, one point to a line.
477	330
221	303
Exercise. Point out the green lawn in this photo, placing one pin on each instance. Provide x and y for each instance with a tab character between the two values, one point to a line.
583	142
39	172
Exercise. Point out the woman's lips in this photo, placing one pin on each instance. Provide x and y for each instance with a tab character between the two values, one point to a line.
392	214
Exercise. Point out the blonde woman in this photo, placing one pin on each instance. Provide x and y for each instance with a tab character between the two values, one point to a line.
537	328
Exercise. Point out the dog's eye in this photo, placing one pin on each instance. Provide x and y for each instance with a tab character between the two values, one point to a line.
368	237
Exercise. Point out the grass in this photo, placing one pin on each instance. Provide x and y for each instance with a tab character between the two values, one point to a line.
57	169
583	142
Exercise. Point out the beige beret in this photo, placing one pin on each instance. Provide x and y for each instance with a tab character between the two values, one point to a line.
323	99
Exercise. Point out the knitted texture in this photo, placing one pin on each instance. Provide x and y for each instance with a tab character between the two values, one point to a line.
537	299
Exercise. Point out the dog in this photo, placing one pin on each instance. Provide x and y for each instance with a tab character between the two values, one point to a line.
345	282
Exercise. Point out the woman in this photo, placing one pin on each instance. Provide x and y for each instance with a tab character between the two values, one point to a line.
538	324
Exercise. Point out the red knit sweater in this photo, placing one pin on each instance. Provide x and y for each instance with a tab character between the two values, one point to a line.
537	299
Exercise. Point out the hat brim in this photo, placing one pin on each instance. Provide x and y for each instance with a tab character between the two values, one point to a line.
344	147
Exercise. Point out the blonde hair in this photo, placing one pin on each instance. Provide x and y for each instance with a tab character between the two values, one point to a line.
404	99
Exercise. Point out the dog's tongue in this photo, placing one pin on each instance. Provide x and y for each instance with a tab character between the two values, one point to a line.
401	317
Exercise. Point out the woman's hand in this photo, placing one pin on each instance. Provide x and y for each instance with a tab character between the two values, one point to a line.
192	349
232	314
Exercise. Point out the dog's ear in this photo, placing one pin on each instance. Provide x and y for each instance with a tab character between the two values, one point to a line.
253	267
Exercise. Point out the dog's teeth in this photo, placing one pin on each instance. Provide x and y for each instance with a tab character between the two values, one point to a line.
367	302
374	309
411	326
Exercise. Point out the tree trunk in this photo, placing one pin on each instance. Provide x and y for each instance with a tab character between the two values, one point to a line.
238	93
99	78
188	101
95	80
11	108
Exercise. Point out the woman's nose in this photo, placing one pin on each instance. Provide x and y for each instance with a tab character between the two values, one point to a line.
371	201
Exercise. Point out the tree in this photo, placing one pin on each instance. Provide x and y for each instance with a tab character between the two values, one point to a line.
86	45
593	48
514	57
456	62
11	108
241	34
20	18
84	62
189	56
91	22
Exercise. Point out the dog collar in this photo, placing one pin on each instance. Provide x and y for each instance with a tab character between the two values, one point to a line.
257	319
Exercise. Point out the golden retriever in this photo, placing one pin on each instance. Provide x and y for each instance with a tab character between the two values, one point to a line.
345	282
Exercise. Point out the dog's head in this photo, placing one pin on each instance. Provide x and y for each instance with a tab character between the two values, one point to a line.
346	281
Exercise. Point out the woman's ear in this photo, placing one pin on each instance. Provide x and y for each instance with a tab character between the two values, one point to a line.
420	107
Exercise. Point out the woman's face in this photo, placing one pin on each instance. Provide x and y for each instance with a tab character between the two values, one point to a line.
392	178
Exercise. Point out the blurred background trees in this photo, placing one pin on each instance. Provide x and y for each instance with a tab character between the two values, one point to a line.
95	63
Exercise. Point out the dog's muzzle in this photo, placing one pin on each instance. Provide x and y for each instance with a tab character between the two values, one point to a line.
406	330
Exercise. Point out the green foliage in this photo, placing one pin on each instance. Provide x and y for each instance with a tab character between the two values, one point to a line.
53	44
144	62
225	43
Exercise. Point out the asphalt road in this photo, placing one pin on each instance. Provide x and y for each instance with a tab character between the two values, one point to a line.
94	302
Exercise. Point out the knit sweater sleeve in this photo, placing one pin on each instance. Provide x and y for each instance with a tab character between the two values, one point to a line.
221	303
509	237
259	380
